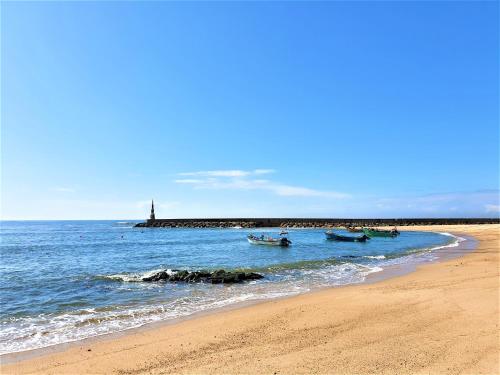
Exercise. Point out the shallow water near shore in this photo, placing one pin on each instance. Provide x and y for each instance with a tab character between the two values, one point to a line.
65	281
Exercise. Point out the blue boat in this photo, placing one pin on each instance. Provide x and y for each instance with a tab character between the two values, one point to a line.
337	237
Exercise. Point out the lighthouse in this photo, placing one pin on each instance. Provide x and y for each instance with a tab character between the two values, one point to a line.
152	215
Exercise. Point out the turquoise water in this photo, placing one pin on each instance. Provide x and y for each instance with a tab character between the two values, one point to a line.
68	280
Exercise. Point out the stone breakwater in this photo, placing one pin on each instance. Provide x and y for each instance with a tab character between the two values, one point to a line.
216	277
304	223
197	224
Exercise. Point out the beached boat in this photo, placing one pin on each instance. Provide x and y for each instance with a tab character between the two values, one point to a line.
372	232
338	237
269	241
354	229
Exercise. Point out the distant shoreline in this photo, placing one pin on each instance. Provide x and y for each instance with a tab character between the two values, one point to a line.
306	222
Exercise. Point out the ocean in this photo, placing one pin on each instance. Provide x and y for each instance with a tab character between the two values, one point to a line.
63	281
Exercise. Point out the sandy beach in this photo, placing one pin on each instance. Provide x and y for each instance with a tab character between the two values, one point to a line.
441	319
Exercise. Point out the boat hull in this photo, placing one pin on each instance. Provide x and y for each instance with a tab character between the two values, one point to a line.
336	237
280	242
380	233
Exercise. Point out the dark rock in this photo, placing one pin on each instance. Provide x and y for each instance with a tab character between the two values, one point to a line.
230	278
218	273
216	277
179	276
253	276
162	275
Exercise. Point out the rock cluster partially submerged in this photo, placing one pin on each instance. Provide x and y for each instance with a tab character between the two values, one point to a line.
216	277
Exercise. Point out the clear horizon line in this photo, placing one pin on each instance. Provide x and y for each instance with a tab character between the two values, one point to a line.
277	217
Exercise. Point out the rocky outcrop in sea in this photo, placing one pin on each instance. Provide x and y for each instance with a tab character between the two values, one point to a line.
216	277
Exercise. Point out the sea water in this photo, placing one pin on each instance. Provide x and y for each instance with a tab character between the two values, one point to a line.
63	281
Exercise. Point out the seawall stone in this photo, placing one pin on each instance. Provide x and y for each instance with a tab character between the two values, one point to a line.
305	223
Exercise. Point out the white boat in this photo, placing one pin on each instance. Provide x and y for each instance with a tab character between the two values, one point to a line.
269	241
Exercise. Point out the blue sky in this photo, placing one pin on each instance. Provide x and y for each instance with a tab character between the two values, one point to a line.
356	109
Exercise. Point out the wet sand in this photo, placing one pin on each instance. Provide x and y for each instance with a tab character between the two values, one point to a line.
441	319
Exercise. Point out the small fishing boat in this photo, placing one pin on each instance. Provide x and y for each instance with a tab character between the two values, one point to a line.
269	241
372	232
354	229
338	237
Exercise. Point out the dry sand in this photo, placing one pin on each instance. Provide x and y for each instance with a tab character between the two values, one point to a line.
441	319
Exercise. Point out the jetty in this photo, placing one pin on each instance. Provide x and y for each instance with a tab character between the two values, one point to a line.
304	222
153	222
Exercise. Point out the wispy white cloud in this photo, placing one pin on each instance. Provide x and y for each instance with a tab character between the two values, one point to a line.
245	180
228	173
263	171
298	191
492	208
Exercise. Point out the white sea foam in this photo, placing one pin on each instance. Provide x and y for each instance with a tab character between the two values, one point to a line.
456	243
134	277
44	330
424	255
372	269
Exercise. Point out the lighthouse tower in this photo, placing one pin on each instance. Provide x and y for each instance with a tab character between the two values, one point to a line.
152	215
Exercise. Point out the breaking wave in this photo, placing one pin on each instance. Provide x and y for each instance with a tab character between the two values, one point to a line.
132	277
